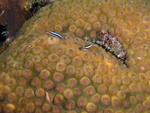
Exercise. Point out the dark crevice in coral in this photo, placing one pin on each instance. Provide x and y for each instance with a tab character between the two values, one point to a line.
12	16
5	38
111	44
35	7
3	33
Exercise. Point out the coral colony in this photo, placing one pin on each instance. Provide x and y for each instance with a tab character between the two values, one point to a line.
41	73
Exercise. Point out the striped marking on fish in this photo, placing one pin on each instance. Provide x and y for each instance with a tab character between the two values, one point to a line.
55	34
86	47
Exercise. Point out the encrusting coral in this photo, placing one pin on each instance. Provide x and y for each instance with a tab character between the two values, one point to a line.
44	73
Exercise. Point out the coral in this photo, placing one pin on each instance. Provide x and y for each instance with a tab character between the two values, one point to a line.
44	73
90	17
71	80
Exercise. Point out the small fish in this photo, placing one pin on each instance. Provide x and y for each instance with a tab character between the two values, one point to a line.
86	47
2	13
55	34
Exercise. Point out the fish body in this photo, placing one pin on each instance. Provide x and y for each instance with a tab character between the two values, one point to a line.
2	13
86	47
55	34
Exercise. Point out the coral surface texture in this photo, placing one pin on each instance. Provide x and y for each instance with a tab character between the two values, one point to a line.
46	72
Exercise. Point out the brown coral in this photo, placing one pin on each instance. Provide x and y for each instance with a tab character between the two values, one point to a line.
40	72
94	16
64	83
